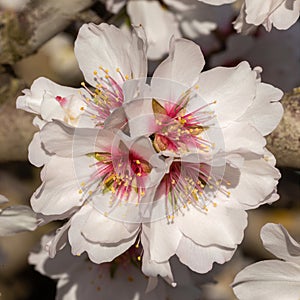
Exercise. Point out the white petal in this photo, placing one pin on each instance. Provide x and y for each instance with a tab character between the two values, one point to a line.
97	252
68	141
163	239
277	240
61	187
37	154
203	229
257	176
184	63
265	112
159	32
107	46
268	280
3	199
101	229
233	89
200	259
242	138
152	268
16	219
59	241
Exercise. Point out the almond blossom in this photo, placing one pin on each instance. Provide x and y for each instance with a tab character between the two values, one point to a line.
155	164
281	14
272	279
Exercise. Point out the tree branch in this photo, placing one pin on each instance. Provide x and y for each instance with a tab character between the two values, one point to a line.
284	142
21	34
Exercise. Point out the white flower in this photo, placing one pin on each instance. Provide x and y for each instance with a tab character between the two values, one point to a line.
272	279
264	50
164	161
16	218
79	278
282	14
73	106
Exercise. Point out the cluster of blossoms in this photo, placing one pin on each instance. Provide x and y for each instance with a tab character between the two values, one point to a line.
156	167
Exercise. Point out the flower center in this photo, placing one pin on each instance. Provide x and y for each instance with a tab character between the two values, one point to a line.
121	174
178	130
184	185
106	97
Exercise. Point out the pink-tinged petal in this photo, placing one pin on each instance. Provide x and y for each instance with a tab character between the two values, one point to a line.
278	241
268	280
265	112
202	228
67	141
107	46
104	225
183	65
62	182
97	252
16	219
242	138
41	98
255	175
163	239
233	89
199	258
159	32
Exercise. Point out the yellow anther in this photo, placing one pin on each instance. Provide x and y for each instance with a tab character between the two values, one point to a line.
95	72
106	71
118	70
139	174
139	258
138	162
126	77
214	204
80	191
81	108
90	193
82	83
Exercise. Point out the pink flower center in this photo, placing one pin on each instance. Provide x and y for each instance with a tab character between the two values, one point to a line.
106	97
184	185
121	174
178	130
